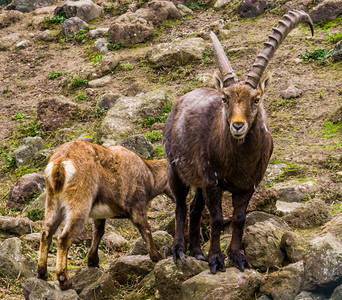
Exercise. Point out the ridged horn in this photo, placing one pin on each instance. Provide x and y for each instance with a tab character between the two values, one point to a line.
222	62
290	21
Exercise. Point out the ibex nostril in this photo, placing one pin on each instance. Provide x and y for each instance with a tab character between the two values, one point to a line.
238	125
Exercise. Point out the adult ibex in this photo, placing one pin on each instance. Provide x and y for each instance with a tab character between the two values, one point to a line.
218	140
87	180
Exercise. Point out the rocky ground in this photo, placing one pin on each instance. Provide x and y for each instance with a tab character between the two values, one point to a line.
108	72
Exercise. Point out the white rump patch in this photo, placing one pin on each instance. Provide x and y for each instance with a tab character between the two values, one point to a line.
48	171
101	211
69	170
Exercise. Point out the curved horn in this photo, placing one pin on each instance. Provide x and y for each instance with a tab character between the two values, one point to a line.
222	62
291	20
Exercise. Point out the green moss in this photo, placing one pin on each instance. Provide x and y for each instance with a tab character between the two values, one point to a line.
153	136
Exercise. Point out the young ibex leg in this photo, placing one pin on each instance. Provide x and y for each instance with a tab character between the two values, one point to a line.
235	252
196	209
98	231
139	219
51	223
213	197
72	228
180	192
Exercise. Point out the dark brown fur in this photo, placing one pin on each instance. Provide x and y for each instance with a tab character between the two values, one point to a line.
87	180
202	152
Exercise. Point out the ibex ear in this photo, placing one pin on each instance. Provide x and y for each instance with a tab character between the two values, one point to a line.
218	81
265	82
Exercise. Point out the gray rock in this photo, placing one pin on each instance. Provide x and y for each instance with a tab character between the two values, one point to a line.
103	288
184	10
326	10
284	208
10	17
224	244
262	245
260	216
23	44
108	100
85	277
46	36
337	294
107	64
232	284
323	263
217	27
291	92
127	267
114	241
139	144
103	81
27	149
85	137
162	240
98	33
122	118
158	11
12	261
294	246
178	52
37	289
15	226
25	190
32	239
38	204
273	171
28	5
83	9
284	284
334	226
253	8
264	297
73	25
310	296
337	52
313	213
101	45
221	3
170	276
295	191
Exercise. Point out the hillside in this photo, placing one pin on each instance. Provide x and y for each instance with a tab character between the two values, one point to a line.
65	86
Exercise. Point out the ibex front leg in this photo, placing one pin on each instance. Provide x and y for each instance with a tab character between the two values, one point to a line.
235	252
213	197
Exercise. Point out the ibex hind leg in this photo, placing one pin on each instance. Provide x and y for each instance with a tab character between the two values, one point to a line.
196	209
180	192
98	231
52	221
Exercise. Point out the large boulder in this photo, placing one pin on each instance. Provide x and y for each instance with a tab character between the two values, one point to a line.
15	226
28	5
326	10
337	294
323	263
253	8
313	213
284	284
337	52
170	276
27	149
73	25
139	144
295	191
262	245
127	112
86	10
178	52
25	190
10	17
294	246
232	284
334	226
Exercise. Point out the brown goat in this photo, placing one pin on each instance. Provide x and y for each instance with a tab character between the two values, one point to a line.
87	180
218	140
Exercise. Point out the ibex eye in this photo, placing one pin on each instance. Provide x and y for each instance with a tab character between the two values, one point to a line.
256	99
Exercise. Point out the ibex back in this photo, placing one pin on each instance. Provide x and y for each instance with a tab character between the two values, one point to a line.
87	180
217	140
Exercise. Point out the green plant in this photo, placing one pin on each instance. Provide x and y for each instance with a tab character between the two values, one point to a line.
153	136
206	56
161	118
77	82
331	129
36	214
10	162
54	75
336	207
122	8
127	67
113	46
283	103
319	55
194	5
159	151
333	38
81	35
5	91
17	116
97	58
59	18
81	95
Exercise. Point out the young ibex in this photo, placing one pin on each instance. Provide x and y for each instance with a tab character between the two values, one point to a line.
218	140
87	180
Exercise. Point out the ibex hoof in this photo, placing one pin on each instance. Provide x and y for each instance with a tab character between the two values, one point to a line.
180	254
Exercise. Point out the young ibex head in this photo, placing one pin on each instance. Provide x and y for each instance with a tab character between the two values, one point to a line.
243	98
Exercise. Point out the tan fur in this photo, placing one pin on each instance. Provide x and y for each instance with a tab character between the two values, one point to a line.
88	179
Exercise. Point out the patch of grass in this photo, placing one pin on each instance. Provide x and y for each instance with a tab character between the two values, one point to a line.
332	129
148	122
54	75
153	136
159	151
81	95
206	56
319	55
9	162
113	46
333	38
97	58
81	35
77	82
58	19
336	207
195	5
121	9
36	214
5	91
127	67
282	103
17	116
324	25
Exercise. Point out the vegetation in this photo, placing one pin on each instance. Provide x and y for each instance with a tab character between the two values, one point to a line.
195	5
153	136
59	18
161	118
77	82
54	75
319	55
332	129
97	58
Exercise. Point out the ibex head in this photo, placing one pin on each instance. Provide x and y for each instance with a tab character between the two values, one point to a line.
243	99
